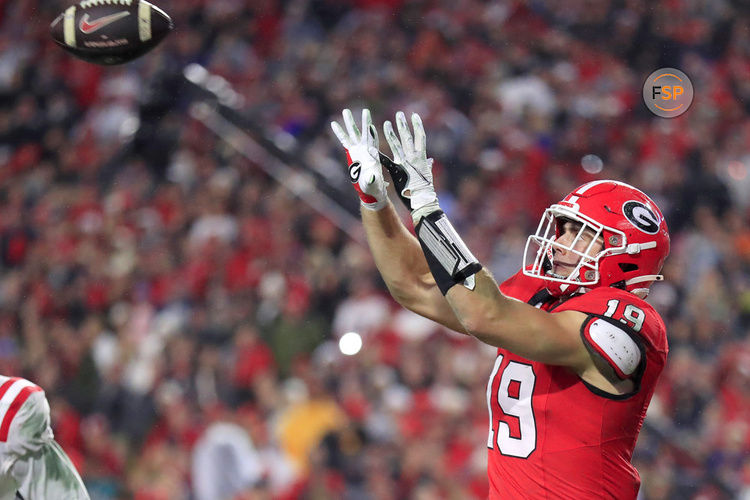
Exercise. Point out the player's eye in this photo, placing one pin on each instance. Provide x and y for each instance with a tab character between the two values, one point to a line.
572	227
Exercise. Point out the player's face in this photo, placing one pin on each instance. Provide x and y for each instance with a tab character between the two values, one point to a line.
565	262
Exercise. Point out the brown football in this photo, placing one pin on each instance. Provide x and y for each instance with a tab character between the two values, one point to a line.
110	31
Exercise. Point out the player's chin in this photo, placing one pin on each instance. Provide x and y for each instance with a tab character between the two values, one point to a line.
561	270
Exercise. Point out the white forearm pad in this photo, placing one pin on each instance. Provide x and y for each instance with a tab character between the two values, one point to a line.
438	236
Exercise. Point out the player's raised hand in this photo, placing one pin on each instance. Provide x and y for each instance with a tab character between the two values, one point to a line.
411	170
363	156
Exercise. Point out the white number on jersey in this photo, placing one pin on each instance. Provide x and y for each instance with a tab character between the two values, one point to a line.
513	403
631	315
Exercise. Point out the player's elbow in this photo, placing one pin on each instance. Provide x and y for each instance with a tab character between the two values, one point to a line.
408	292
501	333
489	321
471	323
403	293
483	325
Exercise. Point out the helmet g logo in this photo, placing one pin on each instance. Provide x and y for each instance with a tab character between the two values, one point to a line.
641	216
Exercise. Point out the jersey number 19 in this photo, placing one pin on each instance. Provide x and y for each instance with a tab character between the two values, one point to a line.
514	397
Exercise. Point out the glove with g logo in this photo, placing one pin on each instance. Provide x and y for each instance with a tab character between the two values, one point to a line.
362	153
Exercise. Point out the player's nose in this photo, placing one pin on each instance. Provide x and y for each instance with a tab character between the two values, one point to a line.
563	240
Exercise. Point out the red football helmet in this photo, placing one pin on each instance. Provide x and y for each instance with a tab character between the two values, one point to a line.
631	228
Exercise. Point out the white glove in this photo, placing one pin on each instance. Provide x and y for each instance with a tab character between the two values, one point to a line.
411	155
362	153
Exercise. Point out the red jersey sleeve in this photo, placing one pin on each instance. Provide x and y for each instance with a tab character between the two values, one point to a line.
612	311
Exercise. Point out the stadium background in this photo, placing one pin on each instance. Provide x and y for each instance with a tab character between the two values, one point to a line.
157	279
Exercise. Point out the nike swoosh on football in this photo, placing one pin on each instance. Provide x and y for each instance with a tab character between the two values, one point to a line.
88	27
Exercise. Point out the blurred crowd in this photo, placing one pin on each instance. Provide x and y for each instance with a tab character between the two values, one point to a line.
182	310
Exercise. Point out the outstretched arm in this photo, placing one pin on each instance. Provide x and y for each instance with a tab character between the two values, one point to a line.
402	265
397	253
469	289
502	321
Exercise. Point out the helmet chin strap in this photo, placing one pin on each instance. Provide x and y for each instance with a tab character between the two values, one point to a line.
564	287
556	276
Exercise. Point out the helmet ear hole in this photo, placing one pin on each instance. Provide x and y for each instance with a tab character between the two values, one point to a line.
626	267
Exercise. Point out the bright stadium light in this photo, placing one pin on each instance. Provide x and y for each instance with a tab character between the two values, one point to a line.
592	164
350	343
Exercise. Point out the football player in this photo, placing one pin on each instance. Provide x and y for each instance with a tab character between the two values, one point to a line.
32	464
579	350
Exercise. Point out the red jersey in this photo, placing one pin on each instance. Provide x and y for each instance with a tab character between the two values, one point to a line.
552	435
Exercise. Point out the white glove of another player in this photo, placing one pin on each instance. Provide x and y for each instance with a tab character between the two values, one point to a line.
362	153
410	156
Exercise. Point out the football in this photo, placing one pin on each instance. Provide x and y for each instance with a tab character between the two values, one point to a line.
110	32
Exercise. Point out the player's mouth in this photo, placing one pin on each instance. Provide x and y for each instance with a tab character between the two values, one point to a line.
562	269
566	264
